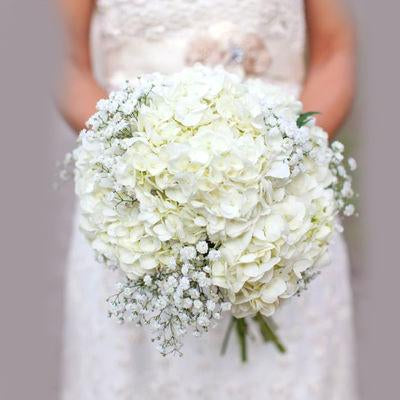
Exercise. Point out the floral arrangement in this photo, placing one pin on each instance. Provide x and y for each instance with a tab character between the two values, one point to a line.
211	194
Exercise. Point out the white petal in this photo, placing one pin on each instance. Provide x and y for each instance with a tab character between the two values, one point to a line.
274	227
127	256
274	289
247	258
148	262
300	266
279	169
250	269
149	244
162	232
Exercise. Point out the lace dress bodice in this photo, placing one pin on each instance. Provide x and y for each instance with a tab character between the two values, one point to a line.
141	36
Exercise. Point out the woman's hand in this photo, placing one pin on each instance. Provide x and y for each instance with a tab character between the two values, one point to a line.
79	91
329	85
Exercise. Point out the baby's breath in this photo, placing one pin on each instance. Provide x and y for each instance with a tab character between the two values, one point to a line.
172	303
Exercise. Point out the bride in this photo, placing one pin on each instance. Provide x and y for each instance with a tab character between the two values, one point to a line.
110	41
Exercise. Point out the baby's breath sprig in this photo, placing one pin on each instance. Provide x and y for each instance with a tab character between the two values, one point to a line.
342	185
173	302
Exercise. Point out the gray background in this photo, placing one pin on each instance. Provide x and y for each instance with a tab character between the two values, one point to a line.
35	221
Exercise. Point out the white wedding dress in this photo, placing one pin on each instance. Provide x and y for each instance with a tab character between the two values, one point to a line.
106	361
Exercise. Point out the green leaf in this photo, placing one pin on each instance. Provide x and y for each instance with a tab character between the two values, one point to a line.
305	118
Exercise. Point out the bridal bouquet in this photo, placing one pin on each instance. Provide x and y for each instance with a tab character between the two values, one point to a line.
211	195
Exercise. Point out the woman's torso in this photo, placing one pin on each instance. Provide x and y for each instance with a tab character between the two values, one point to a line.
108	361
261	38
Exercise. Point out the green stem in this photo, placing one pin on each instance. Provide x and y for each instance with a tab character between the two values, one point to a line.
241	330
268	332
261	324
227	335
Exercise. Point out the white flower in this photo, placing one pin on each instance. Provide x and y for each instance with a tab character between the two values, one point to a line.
147	280
202	247
214	255
194	293
199	183
198	304
172	282
187	303
185	269
352	164
210	305
349	210
341	171
273	290
203	321
184	283
279	169
188	253
337	146
171	263
346	189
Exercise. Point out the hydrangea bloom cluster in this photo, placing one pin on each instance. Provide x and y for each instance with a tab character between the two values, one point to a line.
169	162
174	300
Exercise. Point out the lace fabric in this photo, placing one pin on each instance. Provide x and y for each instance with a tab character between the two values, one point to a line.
155	19
136	36
106	361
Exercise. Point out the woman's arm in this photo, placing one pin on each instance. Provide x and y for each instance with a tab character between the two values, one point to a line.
79	91
329	85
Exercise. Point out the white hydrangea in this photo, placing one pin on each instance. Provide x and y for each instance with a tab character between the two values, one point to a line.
202	163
